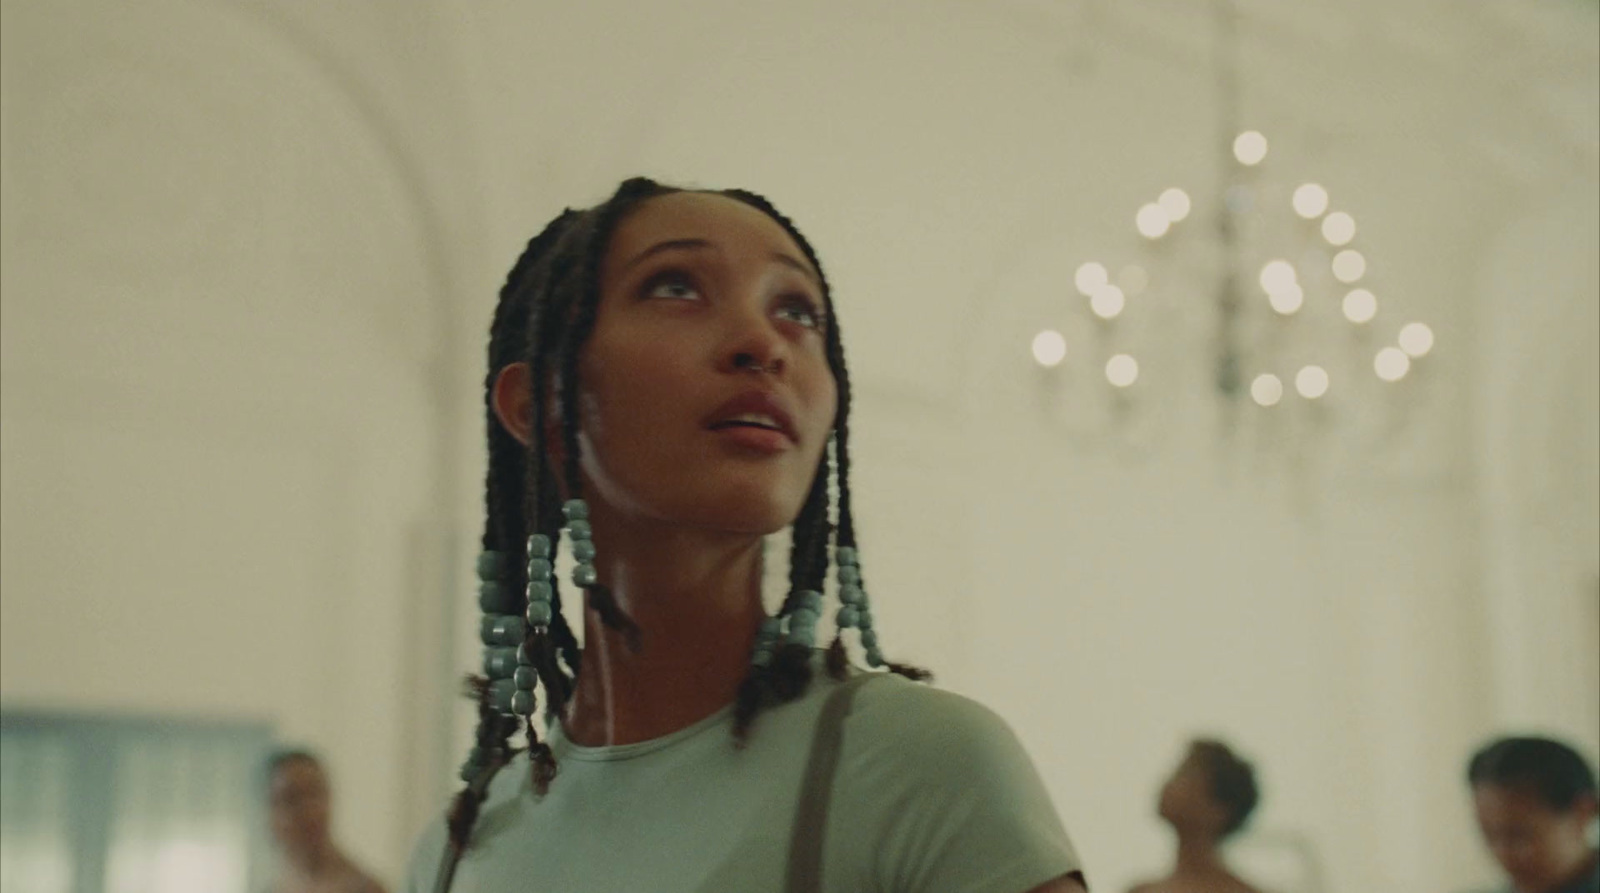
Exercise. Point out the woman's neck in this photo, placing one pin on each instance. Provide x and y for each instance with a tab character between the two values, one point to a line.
696	598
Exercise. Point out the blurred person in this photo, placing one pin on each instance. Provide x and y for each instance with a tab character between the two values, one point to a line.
1536	805
666	388
1207	800
298	799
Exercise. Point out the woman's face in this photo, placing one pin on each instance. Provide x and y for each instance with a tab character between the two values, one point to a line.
1186	800
705	393
298	798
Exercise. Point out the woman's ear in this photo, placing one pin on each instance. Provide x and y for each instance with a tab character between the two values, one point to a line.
513	401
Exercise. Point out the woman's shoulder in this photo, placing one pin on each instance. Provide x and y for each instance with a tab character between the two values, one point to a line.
898	710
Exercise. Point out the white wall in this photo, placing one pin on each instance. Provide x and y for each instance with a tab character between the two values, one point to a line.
250	252
223	391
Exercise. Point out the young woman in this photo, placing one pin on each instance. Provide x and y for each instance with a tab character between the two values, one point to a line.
666	387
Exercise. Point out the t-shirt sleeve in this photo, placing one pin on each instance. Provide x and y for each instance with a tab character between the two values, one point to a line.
950	797
423	871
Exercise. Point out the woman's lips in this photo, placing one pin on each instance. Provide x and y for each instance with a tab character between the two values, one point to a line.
754	439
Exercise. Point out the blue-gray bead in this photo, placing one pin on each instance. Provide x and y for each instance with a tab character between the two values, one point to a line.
811	600
761	658
583	550
495	597
491	565
538	546
580	530
522	702
869	639
539	613
525	655
525	678
539	569
844	555
500	692
539	592
852	595
499	663
770	627
803	617
469	771
847	617
849	575
502	629
585	575
865	624
575	510
875	658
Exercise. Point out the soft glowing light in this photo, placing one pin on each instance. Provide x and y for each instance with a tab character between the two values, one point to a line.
1349	266
1122	370
1392	364
1338	228
1089	277
1134	280
1175	202
1049	348
1266	390
1288	301
1152	221
1360	306
1107	302
1311	382
1250	147
1277	275
1416	339
1310	200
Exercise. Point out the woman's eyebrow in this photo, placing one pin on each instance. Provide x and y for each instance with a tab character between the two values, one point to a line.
705	244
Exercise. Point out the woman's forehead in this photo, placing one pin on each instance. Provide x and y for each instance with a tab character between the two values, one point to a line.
705	216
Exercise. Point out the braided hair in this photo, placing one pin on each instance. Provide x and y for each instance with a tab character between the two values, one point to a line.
546	313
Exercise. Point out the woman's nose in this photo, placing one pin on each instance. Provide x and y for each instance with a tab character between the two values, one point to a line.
754	344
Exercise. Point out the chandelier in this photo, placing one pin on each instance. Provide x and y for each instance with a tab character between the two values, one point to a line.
1295	321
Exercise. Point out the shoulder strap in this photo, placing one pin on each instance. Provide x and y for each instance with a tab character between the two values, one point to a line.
811	816
479	786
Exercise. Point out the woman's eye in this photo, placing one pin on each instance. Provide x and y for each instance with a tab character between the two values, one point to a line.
671	286
803	312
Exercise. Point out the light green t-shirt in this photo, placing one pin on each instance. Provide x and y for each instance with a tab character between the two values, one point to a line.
933	794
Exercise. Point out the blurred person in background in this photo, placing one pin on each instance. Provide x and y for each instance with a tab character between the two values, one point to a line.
298	798
1207	800
1536	806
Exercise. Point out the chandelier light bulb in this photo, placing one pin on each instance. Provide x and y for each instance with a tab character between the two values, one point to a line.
1175	202
1122	370
1152	221
1338	228
1416	339
1049	348
1089	277
1250	147
1349	266
1310	201
1392	364
1107	302
1360	306
1266	390
1277	275
1287	301
1311	382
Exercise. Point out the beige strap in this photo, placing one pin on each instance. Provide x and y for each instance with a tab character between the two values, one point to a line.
811	816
